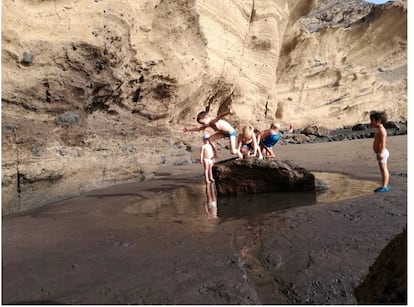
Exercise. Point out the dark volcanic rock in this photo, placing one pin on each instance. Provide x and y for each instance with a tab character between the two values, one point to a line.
315	130
360	127
259	176
386	282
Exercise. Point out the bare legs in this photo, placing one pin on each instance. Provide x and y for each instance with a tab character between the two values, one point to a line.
208	170
385	175
268	152
233	148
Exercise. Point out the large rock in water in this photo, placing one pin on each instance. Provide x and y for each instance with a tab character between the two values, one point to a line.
259	176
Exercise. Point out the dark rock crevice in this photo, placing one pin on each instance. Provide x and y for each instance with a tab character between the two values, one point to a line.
18	175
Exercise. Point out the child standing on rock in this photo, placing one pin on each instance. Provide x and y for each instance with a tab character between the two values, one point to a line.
222	127
207	155
269	138
247	143
379	146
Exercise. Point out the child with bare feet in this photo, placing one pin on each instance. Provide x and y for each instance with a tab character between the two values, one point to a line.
247	143
207	158
220	126
379	146
269	138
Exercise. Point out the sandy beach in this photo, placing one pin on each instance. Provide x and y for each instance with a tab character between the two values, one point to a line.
154	243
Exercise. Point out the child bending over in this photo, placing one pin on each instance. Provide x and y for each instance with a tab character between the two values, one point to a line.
248	144
220	126
269	138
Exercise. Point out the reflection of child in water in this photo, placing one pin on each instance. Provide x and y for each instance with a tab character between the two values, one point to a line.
207	155
211	204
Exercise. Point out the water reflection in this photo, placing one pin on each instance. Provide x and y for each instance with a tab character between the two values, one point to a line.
200	202
252	204
211	204
340	187
343	187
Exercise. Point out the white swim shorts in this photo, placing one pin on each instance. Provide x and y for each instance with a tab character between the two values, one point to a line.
384	157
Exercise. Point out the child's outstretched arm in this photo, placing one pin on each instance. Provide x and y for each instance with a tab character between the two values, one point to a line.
255	145
239	143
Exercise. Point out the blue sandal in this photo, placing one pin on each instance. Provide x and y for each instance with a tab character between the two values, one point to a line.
383	189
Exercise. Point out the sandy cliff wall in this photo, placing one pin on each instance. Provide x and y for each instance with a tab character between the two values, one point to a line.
96	92
335	76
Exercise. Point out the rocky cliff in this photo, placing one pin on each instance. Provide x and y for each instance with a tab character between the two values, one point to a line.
96	92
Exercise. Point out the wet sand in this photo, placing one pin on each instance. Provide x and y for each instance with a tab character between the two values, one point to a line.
155	242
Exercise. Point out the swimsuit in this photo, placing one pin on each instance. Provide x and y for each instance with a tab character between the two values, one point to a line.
212	204
271	140
385	156
250	145
208	160
233	133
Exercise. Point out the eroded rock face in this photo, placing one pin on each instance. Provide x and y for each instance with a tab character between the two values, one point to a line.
260	176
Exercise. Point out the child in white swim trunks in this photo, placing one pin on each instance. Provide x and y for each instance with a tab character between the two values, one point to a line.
379	146
207	155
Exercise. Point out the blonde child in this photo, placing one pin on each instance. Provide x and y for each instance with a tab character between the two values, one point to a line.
269	138
220	126
207	158
379	146
247	143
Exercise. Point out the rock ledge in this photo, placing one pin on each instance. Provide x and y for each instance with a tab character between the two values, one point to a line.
247	176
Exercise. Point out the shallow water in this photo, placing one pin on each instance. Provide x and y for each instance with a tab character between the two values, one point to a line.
200	201
145	231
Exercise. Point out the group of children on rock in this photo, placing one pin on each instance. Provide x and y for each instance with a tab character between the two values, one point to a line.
253	143
250	143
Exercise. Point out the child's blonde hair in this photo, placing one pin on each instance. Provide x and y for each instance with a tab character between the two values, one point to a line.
247	131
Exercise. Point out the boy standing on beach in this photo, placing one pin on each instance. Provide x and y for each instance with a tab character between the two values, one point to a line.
207	158
379	146
222	128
